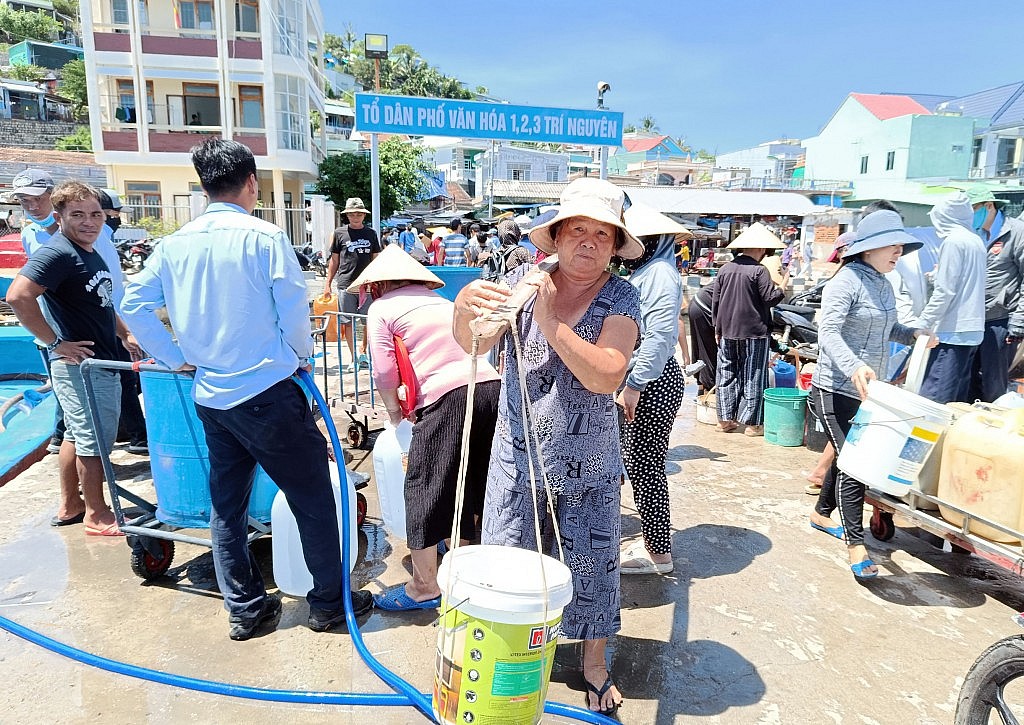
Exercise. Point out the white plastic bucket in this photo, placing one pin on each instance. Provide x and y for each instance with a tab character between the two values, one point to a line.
390	460
893	434
290	572
496	647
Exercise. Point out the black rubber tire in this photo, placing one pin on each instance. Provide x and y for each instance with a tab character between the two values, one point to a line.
882	526
982	692
149	567
357	435
360	509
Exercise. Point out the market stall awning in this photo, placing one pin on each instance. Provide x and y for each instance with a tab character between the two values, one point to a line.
683	200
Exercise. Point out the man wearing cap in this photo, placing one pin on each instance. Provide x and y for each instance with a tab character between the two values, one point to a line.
32	188
956	308
237	301
353	247
1004	304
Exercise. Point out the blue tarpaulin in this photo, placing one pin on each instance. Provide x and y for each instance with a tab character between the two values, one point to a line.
433	186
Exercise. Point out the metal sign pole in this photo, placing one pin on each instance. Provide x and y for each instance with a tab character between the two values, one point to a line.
375	162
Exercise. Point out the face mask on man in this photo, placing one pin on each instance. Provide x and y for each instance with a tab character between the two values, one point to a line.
48	221
113	222
980	217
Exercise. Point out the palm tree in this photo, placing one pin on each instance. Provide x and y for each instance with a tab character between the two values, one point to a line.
648	124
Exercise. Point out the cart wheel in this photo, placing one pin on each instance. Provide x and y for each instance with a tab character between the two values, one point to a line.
982	693
357	435
147	566
882	527
360	509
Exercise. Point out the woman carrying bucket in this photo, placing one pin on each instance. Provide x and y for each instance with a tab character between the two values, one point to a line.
571	346
410	325
856	322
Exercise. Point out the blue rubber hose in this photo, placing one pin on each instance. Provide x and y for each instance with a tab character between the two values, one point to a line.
415	697
406	693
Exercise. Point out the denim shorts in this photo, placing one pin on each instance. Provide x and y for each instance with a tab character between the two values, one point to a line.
69	387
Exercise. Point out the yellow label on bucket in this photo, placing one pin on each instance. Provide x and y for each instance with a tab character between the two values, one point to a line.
492	672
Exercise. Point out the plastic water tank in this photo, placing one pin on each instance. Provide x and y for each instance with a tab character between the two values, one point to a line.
290	571
179	457
390	460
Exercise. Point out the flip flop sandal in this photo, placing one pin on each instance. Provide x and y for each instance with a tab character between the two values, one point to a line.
641	563
76	519
110	530
836	531
600	693
858	569
396	600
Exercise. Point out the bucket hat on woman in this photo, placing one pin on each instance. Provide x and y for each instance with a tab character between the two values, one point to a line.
881	229
594	199
393	265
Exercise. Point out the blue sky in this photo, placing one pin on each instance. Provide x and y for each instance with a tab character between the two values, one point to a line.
723	74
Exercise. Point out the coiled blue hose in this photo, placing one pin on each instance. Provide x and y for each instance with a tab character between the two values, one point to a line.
405	695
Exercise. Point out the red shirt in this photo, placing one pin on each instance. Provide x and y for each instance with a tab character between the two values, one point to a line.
436	245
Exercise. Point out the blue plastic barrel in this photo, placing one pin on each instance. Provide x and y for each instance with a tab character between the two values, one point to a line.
455	278
180	459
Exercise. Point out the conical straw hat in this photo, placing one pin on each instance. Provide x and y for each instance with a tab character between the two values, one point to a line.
393	265
756	236
646	221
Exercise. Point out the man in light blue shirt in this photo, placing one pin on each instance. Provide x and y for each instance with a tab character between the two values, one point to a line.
237	302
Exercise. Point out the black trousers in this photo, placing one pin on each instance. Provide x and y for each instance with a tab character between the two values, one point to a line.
990	371
274	429
836	411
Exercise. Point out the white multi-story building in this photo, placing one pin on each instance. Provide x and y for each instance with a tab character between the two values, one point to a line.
165	74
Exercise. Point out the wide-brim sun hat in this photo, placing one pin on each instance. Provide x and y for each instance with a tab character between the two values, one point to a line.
393	265
594	199
841	243
756	236
355	205
981	194
646	221
881	229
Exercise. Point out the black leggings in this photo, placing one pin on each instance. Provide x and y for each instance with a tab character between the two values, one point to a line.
836	411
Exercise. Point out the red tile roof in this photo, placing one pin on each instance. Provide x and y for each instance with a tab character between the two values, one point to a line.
642	144
886	107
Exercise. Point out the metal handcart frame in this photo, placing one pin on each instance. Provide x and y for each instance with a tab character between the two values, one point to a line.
1005	556
151	541
357	397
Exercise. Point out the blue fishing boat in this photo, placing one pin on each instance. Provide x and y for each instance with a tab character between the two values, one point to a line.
28	407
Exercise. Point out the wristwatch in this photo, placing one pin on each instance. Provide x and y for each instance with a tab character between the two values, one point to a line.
52	347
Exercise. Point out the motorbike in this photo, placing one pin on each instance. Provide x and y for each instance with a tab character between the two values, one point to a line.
314	259
133	253
793	328
302	254
983	696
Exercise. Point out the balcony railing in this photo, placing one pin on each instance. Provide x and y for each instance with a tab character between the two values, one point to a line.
774	184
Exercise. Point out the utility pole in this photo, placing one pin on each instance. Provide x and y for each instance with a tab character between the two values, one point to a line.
376	47
490	194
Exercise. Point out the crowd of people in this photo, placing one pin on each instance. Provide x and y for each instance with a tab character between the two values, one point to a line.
582	396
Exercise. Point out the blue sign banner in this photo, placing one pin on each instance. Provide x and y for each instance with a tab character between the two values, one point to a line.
414	116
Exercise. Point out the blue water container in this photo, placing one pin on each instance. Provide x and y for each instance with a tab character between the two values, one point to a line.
455	278
20	352
785	374
180	459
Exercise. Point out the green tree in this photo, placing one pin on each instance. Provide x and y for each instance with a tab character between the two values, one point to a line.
648	124
80	140
401	169
73	86
26	72
18	25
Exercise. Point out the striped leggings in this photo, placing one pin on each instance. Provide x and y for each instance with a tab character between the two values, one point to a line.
836	411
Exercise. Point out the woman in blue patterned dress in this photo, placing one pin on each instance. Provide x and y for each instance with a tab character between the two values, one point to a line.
577	336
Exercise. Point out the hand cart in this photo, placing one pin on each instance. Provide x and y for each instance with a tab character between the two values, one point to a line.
151	540
883	528
355	395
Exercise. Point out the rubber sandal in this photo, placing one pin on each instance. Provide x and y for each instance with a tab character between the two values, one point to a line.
600	695
639	562
836	531
396	600
76	519
860	566
110	530
812	489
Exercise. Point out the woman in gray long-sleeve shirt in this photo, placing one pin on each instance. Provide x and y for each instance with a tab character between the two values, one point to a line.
856	322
